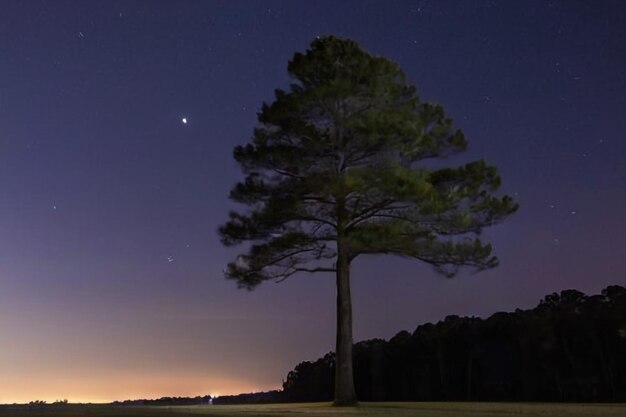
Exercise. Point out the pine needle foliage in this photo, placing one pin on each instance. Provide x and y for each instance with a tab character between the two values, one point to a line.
336	158
336	170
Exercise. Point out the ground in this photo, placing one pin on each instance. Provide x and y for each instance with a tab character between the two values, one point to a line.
423	409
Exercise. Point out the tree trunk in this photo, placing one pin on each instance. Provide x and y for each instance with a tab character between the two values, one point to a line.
345	395
470	362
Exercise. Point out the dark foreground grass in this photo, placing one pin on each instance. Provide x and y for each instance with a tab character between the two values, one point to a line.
417	409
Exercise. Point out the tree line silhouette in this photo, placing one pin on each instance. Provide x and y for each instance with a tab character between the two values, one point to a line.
167	401
571	347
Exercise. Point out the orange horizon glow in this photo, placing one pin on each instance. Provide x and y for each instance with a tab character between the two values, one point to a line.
103	392
119	388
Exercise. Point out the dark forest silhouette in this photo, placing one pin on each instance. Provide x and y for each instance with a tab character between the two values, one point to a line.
571	347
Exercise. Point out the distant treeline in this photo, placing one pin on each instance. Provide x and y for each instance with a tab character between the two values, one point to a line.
252	398
571	347
167	401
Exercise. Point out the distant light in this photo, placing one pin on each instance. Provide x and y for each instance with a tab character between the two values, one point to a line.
184	120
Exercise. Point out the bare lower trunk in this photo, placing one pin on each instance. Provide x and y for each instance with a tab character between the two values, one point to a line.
470	362
345	394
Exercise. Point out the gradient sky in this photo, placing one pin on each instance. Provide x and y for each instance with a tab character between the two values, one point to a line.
110	264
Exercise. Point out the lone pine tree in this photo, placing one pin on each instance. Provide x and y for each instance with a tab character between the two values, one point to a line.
333	172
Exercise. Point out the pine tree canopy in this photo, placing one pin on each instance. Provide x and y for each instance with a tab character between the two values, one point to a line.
334	164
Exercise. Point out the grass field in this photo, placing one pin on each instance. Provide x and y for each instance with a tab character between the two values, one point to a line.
325	410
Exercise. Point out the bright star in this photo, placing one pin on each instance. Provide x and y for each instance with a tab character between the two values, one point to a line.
184	120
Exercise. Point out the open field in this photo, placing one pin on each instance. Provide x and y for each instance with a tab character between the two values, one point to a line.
325	410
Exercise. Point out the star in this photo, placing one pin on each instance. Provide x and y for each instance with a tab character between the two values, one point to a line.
184	120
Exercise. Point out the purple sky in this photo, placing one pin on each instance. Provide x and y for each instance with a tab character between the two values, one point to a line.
110	264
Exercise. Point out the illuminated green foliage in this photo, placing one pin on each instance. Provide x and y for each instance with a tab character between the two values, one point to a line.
338	155
335	170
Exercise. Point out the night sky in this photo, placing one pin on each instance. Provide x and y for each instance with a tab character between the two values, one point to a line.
111	283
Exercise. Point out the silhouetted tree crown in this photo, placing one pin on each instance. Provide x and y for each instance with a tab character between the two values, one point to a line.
333	172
